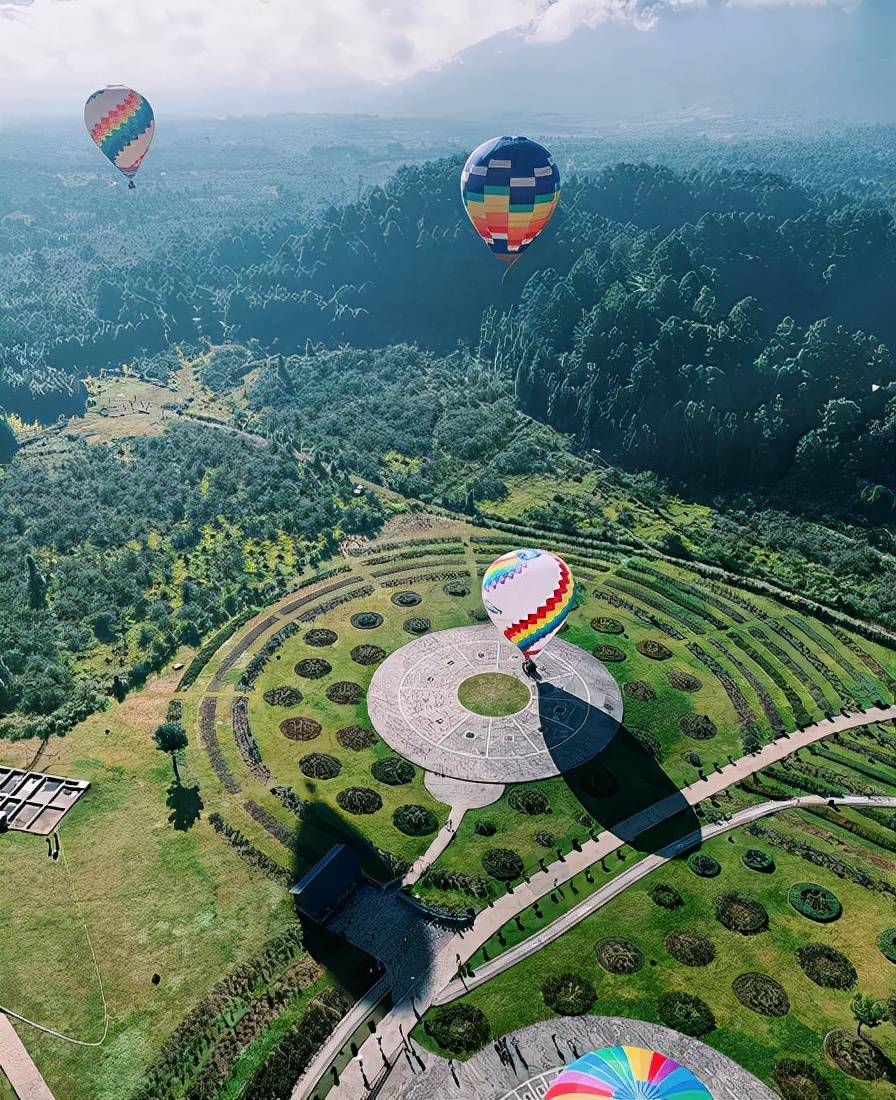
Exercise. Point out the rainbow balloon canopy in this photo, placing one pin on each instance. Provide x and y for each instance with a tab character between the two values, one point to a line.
627	1073
122	124
528	596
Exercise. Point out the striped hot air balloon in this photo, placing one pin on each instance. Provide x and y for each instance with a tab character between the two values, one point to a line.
510	187
627	1073
528	596
121	123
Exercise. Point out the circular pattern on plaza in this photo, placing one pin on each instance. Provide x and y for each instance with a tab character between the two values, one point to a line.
573	710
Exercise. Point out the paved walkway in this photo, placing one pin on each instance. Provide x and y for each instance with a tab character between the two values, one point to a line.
23	1074
403	1017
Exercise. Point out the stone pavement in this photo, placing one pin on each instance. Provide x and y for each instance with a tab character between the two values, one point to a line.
24	1076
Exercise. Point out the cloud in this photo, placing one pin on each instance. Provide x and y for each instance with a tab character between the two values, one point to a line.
193	56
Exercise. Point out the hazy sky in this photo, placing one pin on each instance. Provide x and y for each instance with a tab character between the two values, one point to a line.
222	56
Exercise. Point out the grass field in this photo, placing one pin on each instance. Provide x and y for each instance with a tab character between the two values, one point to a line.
493	694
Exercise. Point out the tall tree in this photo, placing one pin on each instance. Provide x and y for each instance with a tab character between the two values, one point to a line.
171	737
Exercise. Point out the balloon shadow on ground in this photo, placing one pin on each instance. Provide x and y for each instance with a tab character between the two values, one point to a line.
185	804
622	788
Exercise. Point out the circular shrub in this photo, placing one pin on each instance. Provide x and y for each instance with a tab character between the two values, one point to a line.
685	1013
699	726
502	864
761	994
456	588
639	689
704	865
815	902
605	652
648	742
393	771
314	668
283	697
619	956
345	692
666	897
367	620
355	738
414	820
754	859
300	729
886	941
460	1028
368	654
478	614
485	828
406	599
359	800
417	625
740	913
690	948
656	651
545	840
320	765
568	994
528	800
320	637
856	1057
683	681
826	966
605	625
800	1080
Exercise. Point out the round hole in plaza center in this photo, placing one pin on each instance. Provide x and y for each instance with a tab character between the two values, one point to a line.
493	694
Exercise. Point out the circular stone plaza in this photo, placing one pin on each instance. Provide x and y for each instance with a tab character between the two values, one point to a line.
458	703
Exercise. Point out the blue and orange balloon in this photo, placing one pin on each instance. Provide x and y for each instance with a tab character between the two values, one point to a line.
627	1073
528	595
510	188
122	124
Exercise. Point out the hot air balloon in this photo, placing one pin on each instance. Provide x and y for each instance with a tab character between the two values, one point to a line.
528	596
121	123
626	1073
510	187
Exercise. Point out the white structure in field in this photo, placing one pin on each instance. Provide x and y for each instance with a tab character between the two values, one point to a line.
32	802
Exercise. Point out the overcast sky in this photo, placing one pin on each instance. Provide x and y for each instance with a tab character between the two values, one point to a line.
222	56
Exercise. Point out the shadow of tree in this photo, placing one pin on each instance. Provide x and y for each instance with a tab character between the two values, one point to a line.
185	804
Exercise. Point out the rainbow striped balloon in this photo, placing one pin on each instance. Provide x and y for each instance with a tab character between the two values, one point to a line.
627	1073
510	188
528	596
121	123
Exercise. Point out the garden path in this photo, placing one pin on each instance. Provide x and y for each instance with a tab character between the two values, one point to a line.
24	1076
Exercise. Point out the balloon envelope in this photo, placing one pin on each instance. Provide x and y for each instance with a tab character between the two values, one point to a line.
121	123
528	596
627	1073
510	187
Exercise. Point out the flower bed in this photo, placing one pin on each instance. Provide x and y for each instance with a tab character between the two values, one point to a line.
393	771
245	742
313	668
605	652
406	599
345	692
685	1013
826	966
815	902
639	689
690	948
359	800
502	864
568	994
761	994
461	1028
856	1057
683	681
754	859
301	728
528	800
798	1079
740	913
603	624
666	897
704	865
698	726
283	696
367	620
356	738
320	765
320	637
208	735
417	625
367	654
413	820
619	956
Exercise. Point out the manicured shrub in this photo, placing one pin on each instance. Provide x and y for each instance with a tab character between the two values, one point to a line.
359	800
460	1028
320	765
545	840
355	738
485	828
393	771
648	742
639	689
855	1056
406	599
683	681
656	651
367	620
568	994
417	625
414	820
368	654
740	913
320	637
756	860
826	966
528	800
456	588
345	692
798	1079
605	625
690	948
665	896
301	729
283	696
761	994
314	668
704	865
478	614
502	864
815	902
605	652
619	956
685	1013
699	726
886	941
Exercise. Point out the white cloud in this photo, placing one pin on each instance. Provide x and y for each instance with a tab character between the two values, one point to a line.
196	55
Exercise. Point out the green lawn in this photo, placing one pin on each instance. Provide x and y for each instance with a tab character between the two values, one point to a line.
494	694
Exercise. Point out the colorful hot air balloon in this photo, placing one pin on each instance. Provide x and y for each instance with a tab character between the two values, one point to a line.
627	1073
121	123
528	596
510	187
